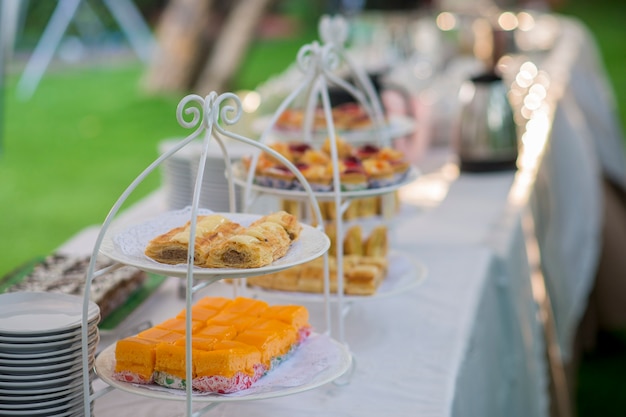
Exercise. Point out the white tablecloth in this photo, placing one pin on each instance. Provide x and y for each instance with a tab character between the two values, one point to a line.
468	341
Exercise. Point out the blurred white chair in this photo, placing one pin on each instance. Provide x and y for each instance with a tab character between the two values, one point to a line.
9	11
125	14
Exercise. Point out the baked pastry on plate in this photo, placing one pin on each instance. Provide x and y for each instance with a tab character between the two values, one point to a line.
172	247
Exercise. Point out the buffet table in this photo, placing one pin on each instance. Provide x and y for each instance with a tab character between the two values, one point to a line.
468	340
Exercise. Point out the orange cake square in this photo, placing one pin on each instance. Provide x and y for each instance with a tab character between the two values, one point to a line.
268	343
297	316
160	335
238	320
220	332
217	303
199	342
199	313
227	358
137	356
179	325
170	358
248	306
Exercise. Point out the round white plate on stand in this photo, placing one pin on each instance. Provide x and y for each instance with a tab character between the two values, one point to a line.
319	360
128	246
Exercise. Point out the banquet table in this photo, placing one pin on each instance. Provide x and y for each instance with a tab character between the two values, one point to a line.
470	339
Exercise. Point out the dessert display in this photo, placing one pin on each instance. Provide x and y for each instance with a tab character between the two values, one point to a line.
235	342
346	116
360	167
65	274
365	266
222	243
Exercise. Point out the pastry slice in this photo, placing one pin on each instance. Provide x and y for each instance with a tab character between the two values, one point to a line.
259	245
331	231
171	247
362	280
241	251
353	241
288	222
376	243
380	262
262	281
368	207
286	280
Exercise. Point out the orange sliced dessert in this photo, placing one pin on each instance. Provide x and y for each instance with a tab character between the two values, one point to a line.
233	344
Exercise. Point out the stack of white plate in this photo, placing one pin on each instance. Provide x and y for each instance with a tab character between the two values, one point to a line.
179	174
41	353
176	174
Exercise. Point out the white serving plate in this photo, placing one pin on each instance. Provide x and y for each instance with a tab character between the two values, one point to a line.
45	347
7	386
30	403
50	376
30	390
319	360
41	313
20	355
74	355
43	396
63	410
127	246
54	337
34	370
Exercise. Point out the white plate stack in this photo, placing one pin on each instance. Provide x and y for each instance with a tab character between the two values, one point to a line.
180	170
176	174
41	353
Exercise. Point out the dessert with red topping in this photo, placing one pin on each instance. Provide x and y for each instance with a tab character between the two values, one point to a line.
318	177
352	175
366	152
379	173
399	165
344	149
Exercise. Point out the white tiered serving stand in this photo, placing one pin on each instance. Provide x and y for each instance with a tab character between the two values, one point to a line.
319	64
126	247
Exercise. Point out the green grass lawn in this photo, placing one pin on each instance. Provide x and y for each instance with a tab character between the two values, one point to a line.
69	152
604	18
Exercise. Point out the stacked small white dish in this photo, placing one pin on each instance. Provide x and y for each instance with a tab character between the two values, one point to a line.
176	174
179	173
214	192
41	353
